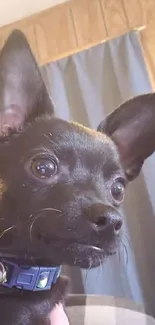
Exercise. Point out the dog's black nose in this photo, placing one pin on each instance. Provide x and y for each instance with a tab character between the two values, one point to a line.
103	217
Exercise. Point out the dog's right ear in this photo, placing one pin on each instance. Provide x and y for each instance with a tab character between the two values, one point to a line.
23	95
132	127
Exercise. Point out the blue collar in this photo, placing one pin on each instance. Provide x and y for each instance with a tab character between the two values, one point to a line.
27	277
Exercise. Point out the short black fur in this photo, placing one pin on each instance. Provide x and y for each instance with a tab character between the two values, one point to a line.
61	184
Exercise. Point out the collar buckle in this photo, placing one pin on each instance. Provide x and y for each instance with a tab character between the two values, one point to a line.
32	278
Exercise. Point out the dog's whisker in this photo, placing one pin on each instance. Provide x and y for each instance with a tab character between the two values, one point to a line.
41	188
38	216
44	210
88	269
128	240
31	226
86	276
100	268
75	261
6	230
32	260
48	136
126	252
119	255
29	258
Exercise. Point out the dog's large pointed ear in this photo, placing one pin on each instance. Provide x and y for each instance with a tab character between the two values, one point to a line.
132	128
23	94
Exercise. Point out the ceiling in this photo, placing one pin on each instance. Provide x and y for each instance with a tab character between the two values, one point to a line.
12	10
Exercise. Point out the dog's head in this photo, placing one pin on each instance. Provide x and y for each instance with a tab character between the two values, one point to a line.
61	184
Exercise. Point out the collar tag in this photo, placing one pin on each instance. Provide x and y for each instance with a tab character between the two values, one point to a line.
32	278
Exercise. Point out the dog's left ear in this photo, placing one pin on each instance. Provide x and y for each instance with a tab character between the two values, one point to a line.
132	127
23	95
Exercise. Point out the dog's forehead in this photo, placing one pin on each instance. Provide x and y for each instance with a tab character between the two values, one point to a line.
83	138
69	135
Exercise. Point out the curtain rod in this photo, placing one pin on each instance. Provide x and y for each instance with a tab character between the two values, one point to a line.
138	29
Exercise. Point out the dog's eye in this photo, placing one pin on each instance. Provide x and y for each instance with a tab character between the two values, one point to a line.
43	168
118	190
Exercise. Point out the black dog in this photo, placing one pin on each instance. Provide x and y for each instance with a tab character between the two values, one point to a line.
61	183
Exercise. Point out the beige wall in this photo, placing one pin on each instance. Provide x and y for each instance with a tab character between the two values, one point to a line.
12	10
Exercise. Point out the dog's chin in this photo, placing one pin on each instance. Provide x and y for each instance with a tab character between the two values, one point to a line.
83	256
68	252
63	252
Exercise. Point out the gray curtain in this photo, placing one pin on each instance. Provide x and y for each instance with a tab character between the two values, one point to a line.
86	87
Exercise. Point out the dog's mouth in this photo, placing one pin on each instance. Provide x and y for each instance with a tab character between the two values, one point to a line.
60	252
49	250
